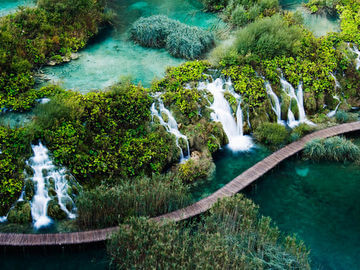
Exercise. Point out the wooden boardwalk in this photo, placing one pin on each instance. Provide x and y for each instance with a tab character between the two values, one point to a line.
236	185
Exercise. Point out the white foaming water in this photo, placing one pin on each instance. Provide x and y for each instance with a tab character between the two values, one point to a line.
275	102
222	113
337	86
3	219
299	98
39	204
355	50
171	126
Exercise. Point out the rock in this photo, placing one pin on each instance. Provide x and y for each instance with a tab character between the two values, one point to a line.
44	172
52	193
52	63
20	213
29	171
54	211
29	189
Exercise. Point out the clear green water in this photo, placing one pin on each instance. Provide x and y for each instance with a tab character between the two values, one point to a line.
320	203
228	166
74	258
9	6
112	55
318	24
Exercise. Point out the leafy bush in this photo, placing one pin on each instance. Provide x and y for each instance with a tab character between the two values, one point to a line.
179	39
335	148
32	36
14	150
272	134
107	206
269	37
197	167
344	117
232	236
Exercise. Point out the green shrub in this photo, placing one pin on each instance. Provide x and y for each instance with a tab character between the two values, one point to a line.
107	206
199	167
179	39
345	117
335	148
232	236
272	134
269	37
300	131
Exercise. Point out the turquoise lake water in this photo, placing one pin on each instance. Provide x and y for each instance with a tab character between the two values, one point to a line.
112	55
9	6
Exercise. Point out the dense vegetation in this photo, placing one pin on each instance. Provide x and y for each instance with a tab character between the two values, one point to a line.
241	12
335	148
179	39
107	206
231	236
33	36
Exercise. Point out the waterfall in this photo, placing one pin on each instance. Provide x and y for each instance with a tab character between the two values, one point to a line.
337	86
299	98
355	50
274	101
171	126
222	113
44	170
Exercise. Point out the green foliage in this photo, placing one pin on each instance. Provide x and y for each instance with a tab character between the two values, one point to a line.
187	100
323	6
300	131
241	12
20	213
107	206
104	135
199	167
267	38
247	84
32	36
15	148
345	117
272	134
179	39
232	236
350	20
335	148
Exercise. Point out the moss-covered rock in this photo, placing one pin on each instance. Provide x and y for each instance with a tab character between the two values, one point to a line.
199	166
54	211
272	134
52	192
20	213
285	103
310	102
294	108
29	189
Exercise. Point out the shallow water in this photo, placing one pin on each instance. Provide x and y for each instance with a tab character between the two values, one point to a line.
320	25
318	202
229	164
111	55
9	6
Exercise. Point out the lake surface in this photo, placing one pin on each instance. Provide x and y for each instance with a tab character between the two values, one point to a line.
111	56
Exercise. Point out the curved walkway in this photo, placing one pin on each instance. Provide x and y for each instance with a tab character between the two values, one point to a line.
236	185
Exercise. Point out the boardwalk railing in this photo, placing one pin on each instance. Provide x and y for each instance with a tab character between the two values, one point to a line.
233	187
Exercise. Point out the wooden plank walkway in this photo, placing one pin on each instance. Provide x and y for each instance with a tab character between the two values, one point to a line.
233	187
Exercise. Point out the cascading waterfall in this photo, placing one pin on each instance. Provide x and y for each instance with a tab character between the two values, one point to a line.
299	98
222	113
355	50
275	102
337	86
171	126
44	170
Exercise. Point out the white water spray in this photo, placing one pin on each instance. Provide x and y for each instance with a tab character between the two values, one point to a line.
171	126
275	102
41	164
355	50
299	98
222	113
337	86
